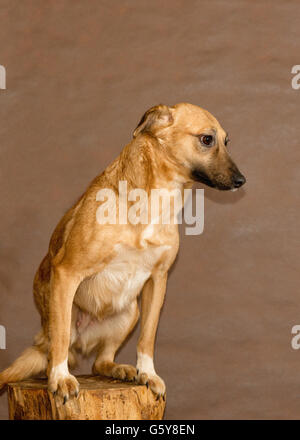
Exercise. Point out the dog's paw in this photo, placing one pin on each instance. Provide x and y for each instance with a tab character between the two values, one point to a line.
63	386
116	371
154	382
124	372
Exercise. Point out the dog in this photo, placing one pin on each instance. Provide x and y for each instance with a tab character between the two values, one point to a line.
87	286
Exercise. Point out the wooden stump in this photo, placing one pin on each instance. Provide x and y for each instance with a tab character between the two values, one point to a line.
100	398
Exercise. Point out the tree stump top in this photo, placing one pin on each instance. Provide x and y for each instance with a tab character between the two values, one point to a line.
100	398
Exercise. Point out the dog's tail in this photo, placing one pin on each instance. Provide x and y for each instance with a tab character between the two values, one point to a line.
32	362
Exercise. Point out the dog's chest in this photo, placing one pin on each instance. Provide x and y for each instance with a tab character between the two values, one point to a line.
123	278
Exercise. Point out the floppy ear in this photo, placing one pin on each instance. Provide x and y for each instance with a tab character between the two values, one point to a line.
155	118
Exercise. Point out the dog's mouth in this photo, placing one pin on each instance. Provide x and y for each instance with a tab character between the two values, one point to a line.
200	176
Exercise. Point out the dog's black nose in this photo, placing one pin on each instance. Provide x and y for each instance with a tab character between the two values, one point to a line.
238	180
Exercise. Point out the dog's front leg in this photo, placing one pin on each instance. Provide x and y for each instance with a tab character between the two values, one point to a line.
63	288
152	300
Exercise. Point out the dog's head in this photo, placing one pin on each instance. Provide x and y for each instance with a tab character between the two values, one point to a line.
194	142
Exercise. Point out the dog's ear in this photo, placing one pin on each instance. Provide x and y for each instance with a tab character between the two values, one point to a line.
155	118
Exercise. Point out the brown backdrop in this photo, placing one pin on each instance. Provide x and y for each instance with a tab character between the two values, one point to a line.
79	76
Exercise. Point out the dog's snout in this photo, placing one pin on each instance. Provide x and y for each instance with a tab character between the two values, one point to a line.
239	180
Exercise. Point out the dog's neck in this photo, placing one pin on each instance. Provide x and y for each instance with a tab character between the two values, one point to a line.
144	164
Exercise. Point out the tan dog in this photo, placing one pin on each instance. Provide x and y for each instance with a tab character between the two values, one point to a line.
87	286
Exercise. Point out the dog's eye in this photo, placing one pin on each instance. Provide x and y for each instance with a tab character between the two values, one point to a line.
226	141
207	140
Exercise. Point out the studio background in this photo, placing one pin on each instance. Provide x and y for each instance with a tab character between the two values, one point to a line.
80	74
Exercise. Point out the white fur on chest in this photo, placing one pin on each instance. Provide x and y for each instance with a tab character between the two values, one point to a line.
121	281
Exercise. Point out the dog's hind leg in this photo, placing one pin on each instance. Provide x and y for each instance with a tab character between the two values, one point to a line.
32	362
113	333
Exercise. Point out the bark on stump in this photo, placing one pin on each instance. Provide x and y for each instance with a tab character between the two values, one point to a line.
100	398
